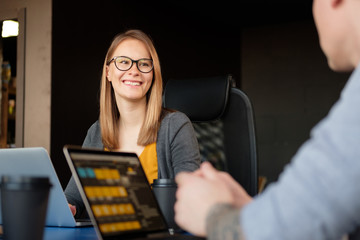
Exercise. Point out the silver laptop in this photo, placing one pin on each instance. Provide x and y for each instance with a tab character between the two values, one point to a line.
117	195
36	162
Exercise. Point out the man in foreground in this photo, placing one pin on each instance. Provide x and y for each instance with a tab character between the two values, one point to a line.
317	196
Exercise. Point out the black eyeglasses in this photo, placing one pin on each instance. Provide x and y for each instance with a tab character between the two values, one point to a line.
123	63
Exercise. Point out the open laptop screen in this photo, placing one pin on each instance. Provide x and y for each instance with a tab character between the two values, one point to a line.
116	191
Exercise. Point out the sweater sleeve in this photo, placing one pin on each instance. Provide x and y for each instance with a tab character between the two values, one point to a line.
184	145
93	140
177	146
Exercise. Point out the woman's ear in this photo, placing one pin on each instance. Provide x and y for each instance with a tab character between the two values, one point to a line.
107	73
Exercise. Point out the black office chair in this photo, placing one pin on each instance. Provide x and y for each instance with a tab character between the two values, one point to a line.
223	121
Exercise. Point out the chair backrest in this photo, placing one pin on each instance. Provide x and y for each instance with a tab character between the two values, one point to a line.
223	121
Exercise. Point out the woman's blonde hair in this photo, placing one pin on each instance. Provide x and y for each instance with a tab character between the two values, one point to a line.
109	113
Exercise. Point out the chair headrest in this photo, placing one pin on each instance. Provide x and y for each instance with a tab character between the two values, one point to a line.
201	99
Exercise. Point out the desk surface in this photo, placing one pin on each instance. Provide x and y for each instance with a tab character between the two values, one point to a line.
81	233
60	233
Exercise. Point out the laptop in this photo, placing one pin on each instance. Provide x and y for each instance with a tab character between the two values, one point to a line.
117	195
36	162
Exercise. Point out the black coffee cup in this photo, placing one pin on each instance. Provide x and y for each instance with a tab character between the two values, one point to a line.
165	190
24	203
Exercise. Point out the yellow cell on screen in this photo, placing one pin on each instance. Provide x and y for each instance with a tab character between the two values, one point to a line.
120	226
115	192
98	192
104	227
114	209
106	173
98	173
106	191
129	209
136	224
106	210
97	210
121	209
123	192
114	174
89	191
128	226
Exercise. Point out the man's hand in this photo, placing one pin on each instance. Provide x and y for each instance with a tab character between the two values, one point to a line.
199	191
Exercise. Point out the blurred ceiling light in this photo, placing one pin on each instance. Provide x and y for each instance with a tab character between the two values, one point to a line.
10	28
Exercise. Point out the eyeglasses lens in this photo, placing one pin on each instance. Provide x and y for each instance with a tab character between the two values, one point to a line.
145	65
123	63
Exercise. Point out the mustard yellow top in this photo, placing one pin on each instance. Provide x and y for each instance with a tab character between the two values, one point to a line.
148	159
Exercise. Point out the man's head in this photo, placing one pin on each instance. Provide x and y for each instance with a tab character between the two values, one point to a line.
338	24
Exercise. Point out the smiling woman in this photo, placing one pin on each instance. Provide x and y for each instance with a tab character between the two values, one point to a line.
131	87
132	118
133	45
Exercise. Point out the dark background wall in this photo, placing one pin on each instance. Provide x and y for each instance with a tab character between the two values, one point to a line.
206	39
285	74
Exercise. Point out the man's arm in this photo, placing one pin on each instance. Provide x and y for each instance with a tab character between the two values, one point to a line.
223	223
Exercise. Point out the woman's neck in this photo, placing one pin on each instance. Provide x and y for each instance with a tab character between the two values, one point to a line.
132	114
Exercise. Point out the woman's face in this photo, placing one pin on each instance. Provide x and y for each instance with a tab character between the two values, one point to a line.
131	85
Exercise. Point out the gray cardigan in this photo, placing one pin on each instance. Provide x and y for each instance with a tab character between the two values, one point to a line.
176	146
